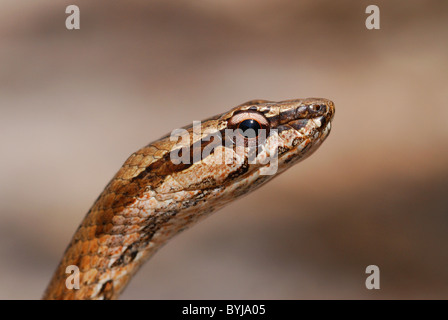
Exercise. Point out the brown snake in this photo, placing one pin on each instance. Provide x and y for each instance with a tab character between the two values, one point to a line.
152	198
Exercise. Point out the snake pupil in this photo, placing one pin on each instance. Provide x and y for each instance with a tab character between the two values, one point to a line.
249	128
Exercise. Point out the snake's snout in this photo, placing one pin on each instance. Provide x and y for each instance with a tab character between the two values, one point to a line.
325	108
327	111
331	110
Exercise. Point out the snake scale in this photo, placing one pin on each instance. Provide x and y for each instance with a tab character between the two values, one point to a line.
152	198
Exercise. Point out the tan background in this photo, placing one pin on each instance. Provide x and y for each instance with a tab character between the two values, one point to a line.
75	104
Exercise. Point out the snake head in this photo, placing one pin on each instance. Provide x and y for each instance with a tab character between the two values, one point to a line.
255	139
284	132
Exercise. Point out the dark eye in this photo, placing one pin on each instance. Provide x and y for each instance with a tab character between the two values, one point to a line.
251	125
249	128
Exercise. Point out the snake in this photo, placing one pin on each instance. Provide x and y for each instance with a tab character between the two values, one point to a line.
172	183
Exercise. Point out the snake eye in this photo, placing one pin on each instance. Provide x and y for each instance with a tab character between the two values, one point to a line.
251	125
249	128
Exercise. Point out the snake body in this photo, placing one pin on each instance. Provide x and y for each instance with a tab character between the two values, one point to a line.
153	198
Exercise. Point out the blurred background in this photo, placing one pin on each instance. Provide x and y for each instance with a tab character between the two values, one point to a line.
75	104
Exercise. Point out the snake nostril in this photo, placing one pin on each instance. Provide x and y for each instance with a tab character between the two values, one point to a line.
317	107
